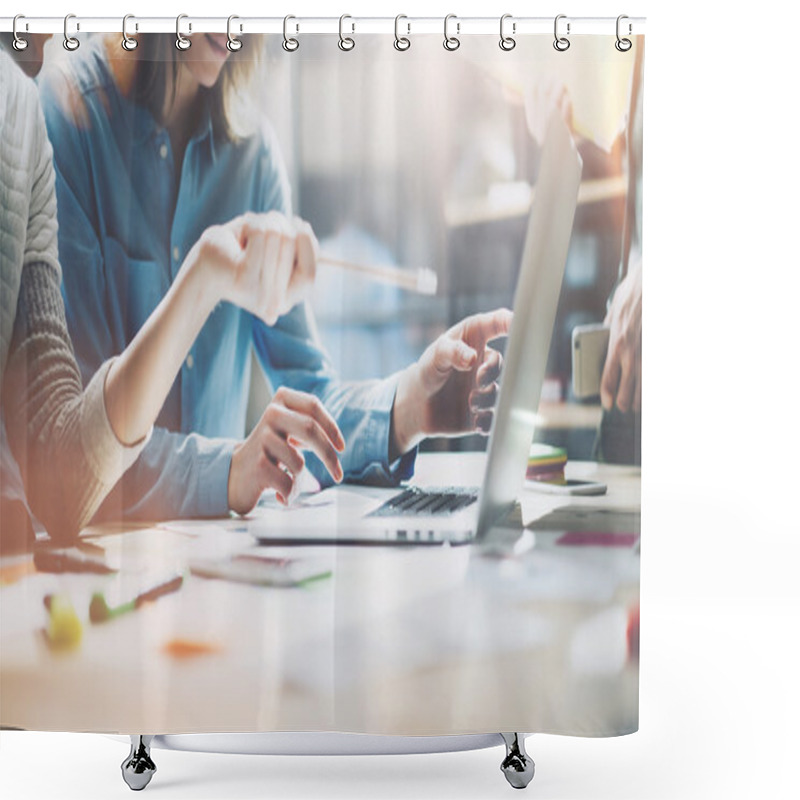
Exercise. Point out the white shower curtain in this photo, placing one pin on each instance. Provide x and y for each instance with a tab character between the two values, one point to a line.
387	194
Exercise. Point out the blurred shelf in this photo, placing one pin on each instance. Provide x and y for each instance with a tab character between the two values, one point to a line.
516	202
568	415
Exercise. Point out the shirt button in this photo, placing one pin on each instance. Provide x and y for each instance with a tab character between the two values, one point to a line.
190	361
162	151
176	253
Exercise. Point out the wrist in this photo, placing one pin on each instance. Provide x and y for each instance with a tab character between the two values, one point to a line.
196	281
407	428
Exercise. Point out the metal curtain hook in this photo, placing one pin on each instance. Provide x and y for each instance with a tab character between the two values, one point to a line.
561	43
623	45
181	42
290	44
70	42
128	43
507	42
401	42
451	42
346	42
19	43
233	44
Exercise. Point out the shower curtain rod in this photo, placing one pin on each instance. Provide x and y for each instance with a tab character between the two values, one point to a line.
408	26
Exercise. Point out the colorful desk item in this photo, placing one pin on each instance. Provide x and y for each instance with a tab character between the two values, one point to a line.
64	630
100	611
546	463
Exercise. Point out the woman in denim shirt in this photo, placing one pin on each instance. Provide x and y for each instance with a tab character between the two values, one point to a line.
63	449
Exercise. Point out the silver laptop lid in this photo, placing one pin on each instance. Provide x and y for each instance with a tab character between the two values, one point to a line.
535	304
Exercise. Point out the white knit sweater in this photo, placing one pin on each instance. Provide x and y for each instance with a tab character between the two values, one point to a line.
68	455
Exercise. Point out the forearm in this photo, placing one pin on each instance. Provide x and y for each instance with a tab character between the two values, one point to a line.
59	435
176	476
141	377
406	419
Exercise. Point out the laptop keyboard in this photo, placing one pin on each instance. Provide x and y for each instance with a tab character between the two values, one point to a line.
426	502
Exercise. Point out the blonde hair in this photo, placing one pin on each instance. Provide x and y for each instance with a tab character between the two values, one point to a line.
230	99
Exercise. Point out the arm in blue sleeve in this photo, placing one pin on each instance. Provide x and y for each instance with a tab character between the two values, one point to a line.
176	476
292	356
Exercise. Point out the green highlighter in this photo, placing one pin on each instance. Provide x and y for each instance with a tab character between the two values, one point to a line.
100	611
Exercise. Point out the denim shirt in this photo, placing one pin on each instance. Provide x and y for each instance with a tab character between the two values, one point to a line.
126	222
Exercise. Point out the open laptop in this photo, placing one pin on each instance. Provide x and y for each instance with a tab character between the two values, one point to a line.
458	515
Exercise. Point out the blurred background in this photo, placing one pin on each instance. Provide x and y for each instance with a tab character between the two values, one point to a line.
430	161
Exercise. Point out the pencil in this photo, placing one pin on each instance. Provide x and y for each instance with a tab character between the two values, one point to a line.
420	280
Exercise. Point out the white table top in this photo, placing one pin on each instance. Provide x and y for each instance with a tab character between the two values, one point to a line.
413	640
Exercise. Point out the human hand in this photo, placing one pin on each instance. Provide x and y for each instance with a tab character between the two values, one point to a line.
544	96
452	389
264	263
269	457
621	383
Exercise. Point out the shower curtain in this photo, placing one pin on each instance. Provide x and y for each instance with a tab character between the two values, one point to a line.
358	214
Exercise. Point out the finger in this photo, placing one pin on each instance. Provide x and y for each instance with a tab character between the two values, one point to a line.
489	370
489	325
242	226
310	433
281	452
273	477
637	393
626	382
480	399
483	421
610	379
310	405
450	354
221	243
305	263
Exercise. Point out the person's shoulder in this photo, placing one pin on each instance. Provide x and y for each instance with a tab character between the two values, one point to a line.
268	148
77	84
18	97
257	151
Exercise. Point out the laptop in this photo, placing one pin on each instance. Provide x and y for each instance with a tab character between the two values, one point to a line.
459	515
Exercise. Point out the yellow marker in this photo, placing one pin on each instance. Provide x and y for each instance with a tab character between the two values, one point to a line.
64	629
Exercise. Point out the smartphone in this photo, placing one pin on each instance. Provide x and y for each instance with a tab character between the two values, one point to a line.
569	486
589	349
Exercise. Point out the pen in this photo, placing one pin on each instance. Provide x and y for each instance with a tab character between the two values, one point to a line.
100	611
420	280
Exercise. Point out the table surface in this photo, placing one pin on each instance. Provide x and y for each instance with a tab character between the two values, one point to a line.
398	640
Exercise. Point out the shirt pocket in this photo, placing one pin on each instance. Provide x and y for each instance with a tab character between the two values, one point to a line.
134	287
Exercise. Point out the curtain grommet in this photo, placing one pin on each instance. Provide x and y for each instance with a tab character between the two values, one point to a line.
233	44
289	44
507	43
18	43
561	43
71	43
181	42
346	43
622	44
401	43
451	43
128	43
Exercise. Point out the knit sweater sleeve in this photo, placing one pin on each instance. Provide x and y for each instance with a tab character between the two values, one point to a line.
60	435
68	454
